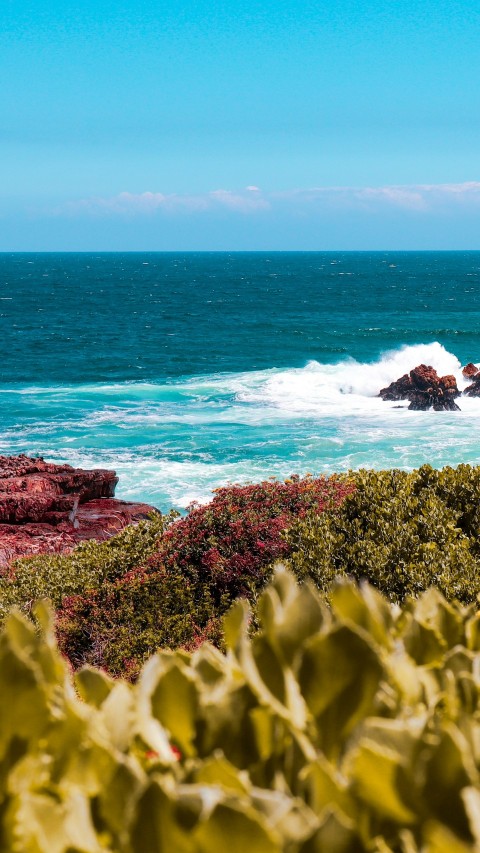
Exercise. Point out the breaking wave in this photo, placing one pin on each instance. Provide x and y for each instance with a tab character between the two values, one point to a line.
174	442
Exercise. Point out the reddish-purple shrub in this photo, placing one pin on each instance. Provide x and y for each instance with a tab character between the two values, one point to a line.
235	537
203	562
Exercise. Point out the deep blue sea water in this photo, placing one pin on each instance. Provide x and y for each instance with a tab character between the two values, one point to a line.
188	371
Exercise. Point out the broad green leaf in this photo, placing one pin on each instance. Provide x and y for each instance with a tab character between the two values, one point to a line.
158	827
289	614
472	632
336	834
236	829
93	685
424	643
265	727
235	624
118	715
339	677
37	823
118	799
434	611
379	779
471	799
174	703
325	787
209	663
147	727
288	816
218	771
364	607
24	707
448	770
401	736
439	839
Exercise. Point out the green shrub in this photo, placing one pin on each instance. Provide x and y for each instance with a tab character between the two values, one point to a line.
121	624
403	532
349	730
89	566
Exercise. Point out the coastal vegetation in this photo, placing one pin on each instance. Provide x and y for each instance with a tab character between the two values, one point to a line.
332	703
168	582
403	532
351	728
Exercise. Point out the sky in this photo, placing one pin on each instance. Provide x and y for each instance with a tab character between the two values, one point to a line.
205	125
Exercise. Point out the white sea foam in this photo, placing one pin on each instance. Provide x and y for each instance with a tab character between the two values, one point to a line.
344	377
174	442
348	386
168	482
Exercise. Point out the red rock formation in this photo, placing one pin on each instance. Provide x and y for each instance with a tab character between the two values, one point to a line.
469	370
424	389
50	508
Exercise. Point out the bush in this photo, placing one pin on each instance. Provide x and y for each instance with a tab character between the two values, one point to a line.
403	532
200	565
89	566
121	624
234	540
167	585
354	730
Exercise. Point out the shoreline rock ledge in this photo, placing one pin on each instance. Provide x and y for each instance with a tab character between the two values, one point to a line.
48	508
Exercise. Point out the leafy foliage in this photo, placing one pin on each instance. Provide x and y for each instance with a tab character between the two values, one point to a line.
401	531
236	537
178	595
120	624
167	585
88	566
352	729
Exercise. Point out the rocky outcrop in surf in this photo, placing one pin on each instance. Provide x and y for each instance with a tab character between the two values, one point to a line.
425	389
469	370
472	372
50	508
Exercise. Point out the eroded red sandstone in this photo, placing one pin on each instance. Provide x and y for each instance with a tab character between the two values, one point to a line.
48	508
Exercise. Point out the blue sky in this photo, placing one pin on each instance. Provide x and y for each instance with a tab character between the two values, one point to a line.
248	125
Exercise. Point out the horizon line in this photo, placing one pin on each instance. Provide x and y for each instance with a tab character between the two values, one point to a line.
220	251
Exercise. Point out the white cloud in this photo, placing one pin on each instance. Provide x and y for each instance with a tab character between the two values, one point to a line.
133	204
415	197
426	196
240	201
412	196
398	196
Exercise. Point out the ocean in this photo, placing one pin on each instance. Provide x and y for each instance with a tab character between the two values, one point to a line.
188	371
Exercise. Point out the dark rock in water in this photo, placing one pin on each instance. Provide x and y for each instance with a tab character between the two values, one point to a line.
473	390
469	370
425	389
50	508
398	390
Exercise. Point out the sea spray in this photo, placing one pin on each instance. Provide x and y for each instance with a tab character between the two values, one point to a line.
172	443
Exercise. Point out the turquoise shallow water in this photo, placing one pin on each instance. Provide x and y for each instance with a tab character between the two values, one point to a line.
185	372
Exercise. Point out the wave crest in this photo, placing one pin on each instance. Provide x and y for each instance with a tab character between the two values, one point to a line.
318	385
